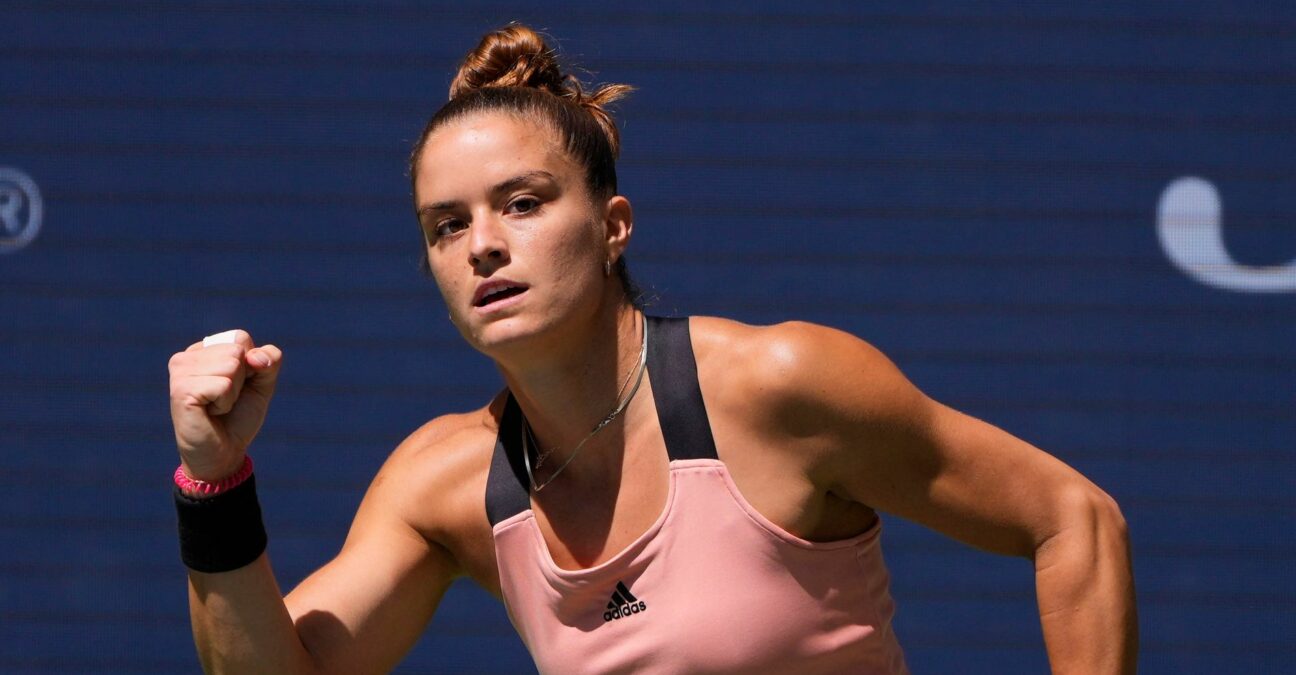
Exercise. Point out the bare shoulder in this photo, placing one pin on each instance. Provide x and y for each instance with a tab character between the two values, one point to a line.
790	374
435	479
786	345
787	340
442	447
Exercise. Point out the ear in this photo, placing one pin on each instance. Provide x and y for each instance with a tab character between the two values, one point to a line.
618	226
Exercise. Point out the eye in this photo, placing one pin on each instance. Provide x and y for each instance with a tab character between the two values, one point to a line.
448	227
524	205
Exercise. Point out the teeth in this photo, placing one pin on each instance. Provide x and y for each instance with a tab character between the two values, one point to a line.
495	291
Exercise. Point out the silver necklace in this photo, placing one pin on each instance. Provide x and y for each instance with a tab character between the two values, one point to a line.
541	454
528	438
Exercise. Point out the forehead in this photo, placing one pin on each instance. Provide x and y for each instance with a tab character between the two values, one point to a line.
482	149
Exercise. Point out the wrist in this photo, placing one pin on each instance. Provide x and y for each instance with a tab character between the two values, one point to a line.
221	532
200	489
211	469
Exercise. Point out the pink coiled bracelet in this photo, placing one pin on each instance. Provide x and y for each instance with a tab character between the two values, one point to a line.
195	487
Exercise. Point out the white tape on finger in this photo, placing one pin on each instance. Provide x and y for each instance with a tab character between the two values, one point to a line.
220	338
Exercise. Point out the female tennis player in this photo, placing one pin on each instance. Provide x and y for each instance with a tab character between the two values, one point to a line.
647	494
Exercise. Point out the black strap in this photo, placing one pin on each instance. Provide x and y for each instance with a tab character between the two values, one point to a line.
508	492
676	393
683	417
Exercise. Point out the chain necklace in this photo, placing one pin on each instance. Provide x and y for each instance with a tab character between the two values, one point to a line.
528	438
541	455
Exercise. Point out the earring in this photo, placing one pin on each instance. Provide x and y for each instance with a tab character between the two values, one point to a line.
607	268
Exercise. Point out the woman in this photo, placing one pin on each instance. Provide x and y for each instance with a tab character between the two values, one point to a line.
636	471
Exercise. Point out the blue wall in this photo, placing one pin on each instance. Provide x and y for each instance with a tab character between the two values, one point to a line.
974	189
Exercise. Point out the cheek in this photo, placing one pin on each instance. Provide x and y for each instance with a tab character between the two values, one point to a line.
446	283
575	255
584	242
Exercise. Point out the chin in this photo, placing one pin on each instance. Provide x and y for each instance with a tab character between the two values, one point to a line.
524	327
502	333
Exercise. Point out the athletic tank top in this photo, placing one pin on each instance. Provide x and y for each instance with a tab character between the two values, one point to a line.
711	587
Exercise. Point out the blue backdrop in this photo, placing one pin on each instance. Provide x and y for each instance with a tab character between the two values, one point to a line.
1070	219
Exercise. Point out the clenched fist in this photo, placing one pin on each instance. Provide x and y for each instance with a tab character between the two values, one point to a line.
219	398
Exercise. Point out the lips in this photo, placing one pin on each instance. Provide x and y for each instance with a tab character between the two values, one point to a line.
496	291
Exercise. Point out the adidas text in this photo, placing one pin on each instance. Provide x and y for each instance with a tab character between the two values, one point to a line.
624	610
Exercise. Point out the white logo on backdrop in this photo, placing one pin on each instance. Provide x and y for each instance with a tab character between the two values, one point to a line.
20	210
1190	226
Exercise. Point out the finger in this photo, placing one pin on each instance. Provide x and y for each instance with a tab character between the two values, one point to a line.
265	356
243	338
226	337
226	400
236	336
263	375
207	391
228	361
216	359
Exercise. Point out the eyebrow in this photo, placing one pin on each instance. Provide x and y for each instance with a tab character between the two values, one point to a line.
502	186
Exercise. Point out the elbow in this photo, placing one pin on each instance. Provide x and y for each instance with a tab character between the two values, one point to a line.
1110	514
1088	517
1109	521
1114	530
1097	509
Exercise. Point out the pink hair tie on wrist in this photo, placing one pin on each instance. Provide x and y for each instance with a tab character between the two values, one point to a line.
194	486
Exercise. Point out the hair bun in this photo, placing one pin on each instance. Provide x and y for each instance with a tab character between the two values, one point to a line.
517	56
513	56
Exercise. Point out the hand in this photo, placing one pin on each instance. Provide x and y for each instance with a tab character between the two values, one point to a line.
219	398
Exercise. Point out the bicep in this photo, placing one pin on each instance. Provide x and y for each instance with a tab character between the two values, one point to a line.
366	608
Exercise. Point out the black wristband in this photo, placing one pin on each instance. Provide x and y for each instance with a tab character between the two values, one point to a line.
223	532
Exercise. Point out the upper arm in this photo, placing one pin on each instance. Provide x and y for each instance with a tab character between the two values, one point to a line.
884	443
362	611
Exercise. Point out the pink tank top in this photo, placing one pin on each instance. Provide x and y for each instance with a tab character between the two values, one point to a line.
711	587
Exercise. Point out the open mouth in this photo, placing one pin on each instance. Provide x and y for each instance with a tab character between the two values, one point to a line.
499	294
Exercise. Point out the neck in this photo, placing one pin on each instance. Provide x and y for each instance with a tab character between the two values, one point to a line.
570	388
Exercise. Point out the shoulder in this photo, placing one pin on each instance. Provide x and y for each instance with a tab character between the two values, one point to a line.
790	343
442	440
435	478
802	379
819	402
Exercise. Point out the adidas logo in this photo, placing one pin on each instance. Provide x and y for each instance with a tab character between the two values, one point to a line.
623	604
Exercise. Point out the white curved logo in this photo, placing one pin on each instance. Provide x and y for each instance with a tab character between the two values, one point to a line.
20	210
1189	225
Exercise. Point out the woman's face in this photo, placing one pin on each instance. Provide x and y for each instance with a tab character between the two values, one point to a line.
513	239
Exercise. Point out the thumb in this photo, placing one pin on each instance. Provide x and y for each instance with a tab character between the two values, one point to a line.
265	362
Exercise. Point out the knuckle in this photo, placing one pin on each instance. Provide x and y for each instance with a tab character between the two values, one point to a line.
223	365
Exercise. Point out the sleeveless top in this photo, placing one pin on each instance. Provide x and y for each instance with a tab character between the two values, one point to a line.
711	587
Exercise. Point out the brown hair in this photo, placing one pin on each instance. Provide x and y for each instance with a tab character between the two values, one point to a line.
513	70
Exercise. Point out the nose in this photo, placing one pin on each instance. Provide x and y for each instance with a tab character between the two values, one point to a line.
487	245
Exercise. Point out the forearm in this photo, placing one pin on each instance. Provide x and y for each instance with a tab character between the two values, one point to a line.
1085	589
241	624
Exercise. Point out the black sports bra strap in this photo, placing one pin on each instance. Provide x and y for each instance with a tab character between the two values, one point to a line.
507	488
680	409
